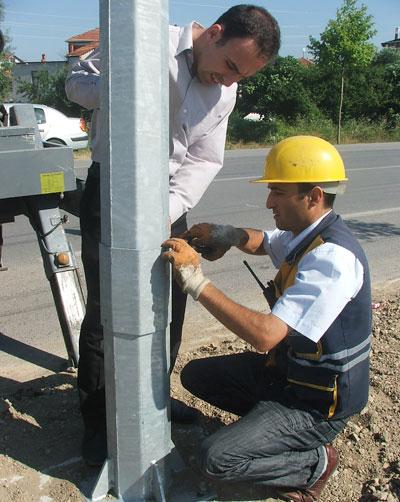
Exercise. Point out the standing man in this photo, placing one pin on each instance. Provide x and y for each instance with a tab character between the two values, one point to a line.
204	66
294	400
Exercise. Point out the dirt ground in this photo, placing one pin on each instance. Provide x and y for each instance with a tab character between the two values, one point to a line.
41	428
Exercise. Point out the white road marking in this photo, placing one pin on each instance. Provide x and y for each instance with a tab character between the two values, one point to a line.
372	168
373	212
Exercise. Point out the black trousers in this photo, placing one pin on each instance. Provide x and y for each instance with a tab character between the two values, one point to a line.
91	343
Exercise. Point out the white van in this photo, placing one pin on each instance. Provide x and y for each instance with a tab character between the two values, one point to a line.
55	127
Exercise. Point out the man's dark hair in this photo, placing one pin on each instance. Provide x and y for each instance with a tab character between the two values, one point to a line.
305	188
252	21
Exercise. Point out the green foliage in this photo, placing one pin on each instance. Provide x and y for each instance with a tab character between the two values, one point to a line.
248	131
388	55
279	90
5	64
50	90
378	84
5	77
345	43
316	126
345	46
353	131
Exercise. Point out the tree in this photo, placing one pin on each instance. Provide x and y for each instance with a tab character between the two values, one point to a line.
5	76
345	46
5	64
388	55
279	90
50	90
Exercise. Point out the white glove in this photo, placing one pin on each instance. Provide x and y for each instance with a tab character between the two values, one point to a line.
186	267
191	280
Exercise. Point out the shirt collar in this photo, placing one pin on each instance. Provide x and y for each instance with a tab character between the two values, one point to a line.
186	38
302	235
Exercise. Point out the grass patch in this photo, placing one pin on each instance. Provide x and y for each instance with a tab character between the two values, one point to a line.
353	131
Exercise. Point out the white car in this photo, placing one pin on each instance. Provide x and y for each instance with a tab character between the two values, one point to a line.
55	127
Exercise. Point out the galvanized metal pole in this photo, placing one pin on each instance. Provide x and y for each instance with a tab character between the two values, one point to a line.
134	283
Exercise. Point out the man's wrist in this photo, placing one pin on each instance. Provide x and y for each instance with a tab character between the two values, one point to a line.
227	235
193	281
199	289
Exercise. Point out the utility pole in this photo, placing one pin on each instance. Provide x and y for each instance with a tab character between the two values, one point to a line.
134	283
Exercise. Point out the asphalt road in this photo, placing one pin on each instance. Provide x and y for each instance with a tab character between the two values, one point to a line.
30	336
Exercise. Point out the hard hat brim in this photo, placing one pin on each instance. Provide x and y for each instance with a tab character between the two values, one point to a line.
333	187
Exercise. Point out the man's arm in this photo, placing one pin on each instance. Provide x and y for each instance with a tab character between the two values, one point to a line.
83	84
254	242
262	331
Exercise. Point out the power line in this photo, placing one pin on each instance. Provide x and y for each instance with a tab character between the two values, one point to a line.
19	23
41	14
40	36
219	6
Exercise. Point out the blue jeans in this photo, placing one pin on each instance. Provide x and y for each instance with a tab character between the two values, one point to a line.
277	442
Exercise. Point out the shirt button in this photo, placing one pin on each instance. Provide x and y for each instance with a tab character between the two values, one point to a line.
185	110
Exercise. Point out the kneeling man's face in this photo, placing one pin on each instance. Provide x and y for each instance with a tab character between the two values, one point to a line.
289	207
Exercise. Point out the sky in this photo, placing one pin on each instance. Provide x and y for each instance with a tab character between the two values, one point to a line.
42	26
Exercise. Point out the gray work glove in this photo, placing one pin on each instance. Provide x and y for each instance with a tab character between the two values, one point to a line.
212	240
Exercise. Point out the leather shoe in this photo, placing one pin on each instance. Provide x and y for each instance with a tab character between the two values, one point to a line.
313	493
94	447
181	413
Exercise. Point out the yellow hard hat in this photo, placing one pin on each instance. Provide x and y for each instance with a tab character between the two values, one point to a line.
305	159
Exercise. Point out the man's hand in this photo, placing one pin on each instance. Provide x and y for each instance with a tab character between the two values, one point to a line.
212	240
186	266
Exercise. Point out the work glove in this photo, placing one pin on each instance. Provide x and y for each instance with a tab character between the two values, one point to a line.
186	267
212	240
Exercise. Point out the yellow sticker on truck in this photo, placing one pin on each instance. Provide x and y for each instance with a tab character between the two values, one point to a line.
52	182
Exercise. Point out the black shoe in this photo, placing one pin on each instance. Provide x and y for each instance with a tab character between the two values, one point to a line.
94	447
181	413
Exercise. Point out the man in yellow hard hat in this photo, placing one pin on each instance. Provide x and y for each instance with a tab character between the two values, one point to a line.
310	371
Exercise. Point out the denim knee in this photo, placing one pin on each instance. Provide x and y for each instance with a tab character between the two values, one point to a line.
216	462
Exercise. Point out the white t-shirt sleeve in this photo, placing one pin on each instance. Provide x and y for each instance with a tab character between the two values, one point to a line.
327	278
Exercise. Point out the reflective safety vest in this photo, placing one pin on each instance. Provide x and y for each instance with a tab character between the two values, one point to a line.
332	375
